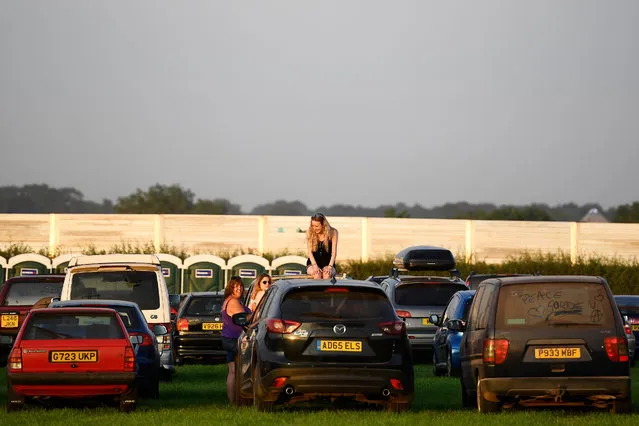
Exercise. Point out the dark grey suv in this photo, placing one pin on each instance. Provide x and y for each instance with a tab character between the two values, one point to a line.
545	340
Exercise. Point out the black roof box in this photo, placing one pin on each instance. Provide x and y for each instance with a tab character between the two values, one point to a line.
424	258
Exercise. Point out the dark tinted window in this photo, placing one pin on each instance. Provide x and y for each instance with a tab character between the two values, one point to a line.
329	303
467	304
73	326
27	293
204	306
419	294
140	287
554	304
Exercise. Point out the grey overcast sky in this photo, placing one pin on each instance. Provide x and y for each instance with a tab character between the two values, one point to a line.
326	101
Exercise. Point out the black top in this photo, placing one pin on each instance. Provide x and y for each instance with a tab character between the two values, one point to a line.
322	256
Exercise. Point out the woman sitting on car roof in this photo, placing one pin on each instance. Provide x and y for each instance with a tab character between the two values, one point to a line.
321	243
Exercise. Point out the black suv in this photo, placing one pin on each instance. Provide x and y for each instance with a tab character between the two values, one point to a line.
323	340
545	340
417	297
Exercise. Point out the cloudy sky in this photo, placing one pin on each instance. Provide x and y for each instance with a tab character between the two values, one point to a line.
332	101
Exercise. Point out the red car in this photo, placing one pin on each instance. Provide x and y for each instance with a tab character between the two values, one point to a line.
72	353
17	296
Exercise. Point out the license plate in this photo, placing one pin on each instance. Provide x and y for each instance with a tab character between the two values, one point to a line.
212	326
635	328
73	356
339	346
425	321
557	353
9	321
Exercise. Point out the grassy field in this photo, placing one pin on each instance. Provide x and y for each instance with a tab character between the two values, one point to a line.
197	395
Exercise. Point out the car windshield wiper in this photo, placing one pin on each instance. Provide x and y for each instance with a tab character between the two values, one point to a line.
58	335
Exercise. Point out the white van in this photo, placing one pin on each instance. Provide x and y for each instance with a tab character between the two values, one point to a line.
132	277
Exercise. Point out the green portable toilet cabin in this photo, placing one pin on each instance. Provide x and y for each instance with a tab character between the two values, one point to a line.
59	264
3	270
203	272
247	267
289	265
172	271
28	264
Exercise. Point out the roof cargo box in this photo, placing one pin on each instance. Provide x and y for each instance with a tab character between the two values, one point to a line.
424	258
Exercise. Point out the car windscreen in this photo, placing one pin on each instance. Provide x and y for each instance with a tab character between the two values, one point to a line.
554	305
27	293
317	304
204	306
72	326
426	294
140	287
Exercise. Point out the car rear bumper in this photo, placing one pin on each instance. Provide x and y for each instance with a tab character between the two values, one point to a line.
362	384
556	388
71	385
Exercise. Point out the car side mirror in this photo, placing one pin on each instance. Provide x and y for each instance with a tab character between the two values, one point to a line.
456	325
625	318
434	319
241	319
160	330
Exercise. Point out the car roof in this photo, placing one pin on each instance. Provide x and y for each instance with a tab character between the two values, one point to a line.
60	311
206	293
80	302
114	259
36	278
532	279
415	279
301	283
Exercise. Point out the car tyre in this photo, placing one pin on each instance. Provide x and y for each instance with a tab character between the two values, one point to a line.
129	400
467	400
258	403
397	407
483	405
15	401
437	371
154	388
240	401
621	406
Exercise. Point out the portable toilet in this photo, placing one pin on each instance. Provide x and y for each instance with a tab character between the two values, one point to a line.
3	269
203	272
59	264
172	271
247	267
289	265
28	264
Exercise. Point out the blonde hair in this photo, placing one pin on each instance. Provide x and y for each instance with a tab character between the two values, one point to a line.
327	230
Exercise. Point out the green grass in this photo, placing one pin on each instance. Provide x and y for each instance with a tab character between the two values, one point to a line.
198	396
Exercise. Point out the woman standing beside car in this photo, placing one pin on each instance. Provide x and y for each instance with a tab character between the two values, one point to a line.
230	332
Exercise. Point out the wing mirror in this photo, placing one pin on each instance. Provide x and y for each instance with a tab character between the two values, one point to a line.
434	319
160	330
456	325
241	319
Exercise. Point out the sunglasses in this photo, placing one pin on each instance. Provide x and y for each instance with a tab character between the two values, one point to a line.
265	282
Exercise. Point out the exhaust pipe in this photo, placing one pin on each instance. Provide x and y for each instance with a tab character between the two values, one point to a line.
386	392
289	390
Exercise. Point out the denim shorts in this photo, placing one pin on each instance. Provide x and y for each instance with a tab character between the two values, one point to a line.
229	344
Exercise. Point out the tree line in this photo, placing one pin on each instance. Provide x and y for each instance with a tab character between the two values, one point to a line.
173	199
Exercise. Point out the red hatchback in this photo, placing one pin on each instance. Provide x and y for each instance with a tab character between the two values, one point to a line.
72	353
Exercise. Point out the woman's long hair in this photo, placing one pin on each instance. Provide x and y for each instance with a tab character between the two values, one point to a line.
257	286
230	286
326	230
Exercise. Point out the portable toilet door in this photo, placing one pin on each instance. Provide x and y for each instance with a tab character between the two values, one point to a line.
247	267
172	271
28	264
3	269
59	264
289	265
203	272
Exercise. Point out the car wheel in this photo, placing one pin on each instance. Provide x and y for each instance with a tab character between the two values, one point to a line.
437	371
240	401
450	370
129	400
258	402
15	402
154	388
621	406
484	405
467	400
397	407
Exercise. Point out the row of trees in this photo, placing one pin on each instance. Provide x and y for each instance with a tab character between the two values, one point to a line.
173	199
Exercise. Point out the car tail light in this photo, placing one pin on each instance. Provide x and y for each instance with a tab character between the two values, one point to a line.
397	384
14	363
336	290
616	349
146	339
183	324
278	382
403	314
282	326
628	329
394	328
468	283
129	359
495	351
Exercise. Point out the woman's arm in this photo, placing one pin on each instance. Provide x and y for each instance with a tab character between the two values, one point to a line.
333	249
234	307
